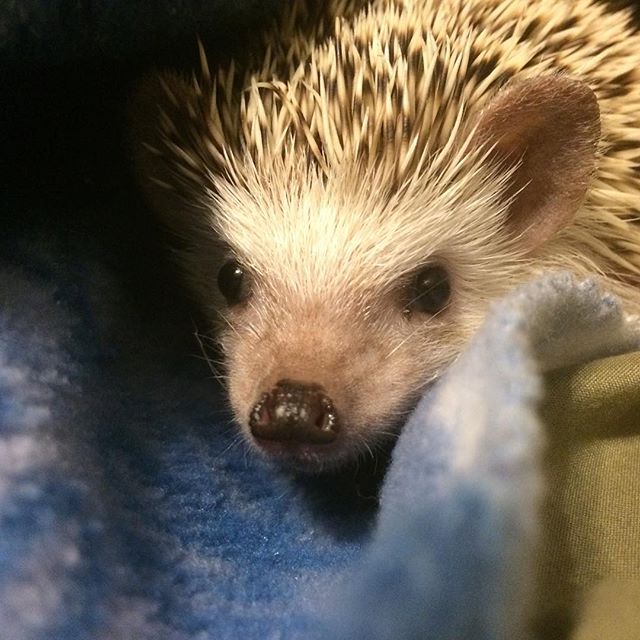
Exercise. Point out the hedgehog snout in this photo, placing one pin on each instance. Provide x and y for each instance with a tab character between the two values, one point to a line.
294	413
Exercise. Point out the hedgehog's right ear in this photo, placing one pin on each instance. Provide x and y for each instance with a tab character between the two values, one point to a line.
548	129
155	111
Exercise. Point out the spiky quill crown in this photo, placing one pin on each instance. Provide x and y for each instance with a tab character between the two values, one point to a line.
384	91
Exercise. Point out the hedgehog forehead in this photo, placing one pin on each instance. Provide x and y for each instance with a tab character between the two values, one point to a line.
307	234
346	230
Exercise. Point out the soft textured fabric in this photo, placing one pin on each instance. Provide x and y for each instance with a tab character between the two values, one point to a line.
609	609
129	510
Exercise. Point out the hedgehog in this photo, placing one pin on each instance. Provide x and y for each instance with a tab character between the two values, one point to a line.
349	205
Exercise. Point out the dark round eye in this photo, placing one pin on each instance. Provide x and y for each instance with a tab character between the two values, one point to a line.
232	282
430	290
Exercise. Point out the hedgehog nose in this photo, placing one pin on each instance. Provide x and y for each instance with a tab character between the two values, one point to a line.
295	412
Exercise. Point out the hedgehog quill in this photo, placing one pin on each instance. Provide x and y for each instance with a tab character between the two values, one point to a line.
352	202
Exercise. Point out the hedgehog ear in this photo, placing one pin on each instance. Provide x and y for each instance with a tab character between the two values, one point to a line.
546	129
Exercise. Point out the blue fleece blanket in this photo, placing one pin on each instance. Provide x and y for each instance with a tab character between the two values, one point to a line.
130	509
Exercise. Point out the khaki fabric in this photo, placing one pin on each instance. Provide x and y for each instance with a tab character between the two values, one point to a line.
610	610
592	511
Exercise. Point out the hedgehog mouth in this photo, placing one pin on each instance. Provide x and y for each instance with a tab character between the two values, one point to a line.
315	459
308	458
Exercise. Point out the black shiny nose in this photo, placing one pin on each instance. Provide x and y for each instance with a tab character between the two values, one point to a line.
297	412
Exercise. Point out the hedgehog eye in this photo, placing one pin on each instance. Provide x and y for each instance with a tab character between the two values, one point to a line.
430	290
232	282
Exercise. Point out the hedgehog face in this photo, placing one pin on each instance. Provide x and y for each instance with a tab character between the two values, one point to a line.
343	304
352	279
350	294
316	380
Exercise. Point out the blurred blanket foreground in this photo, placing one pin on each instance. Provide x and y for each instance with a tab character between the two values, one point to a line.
128	510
